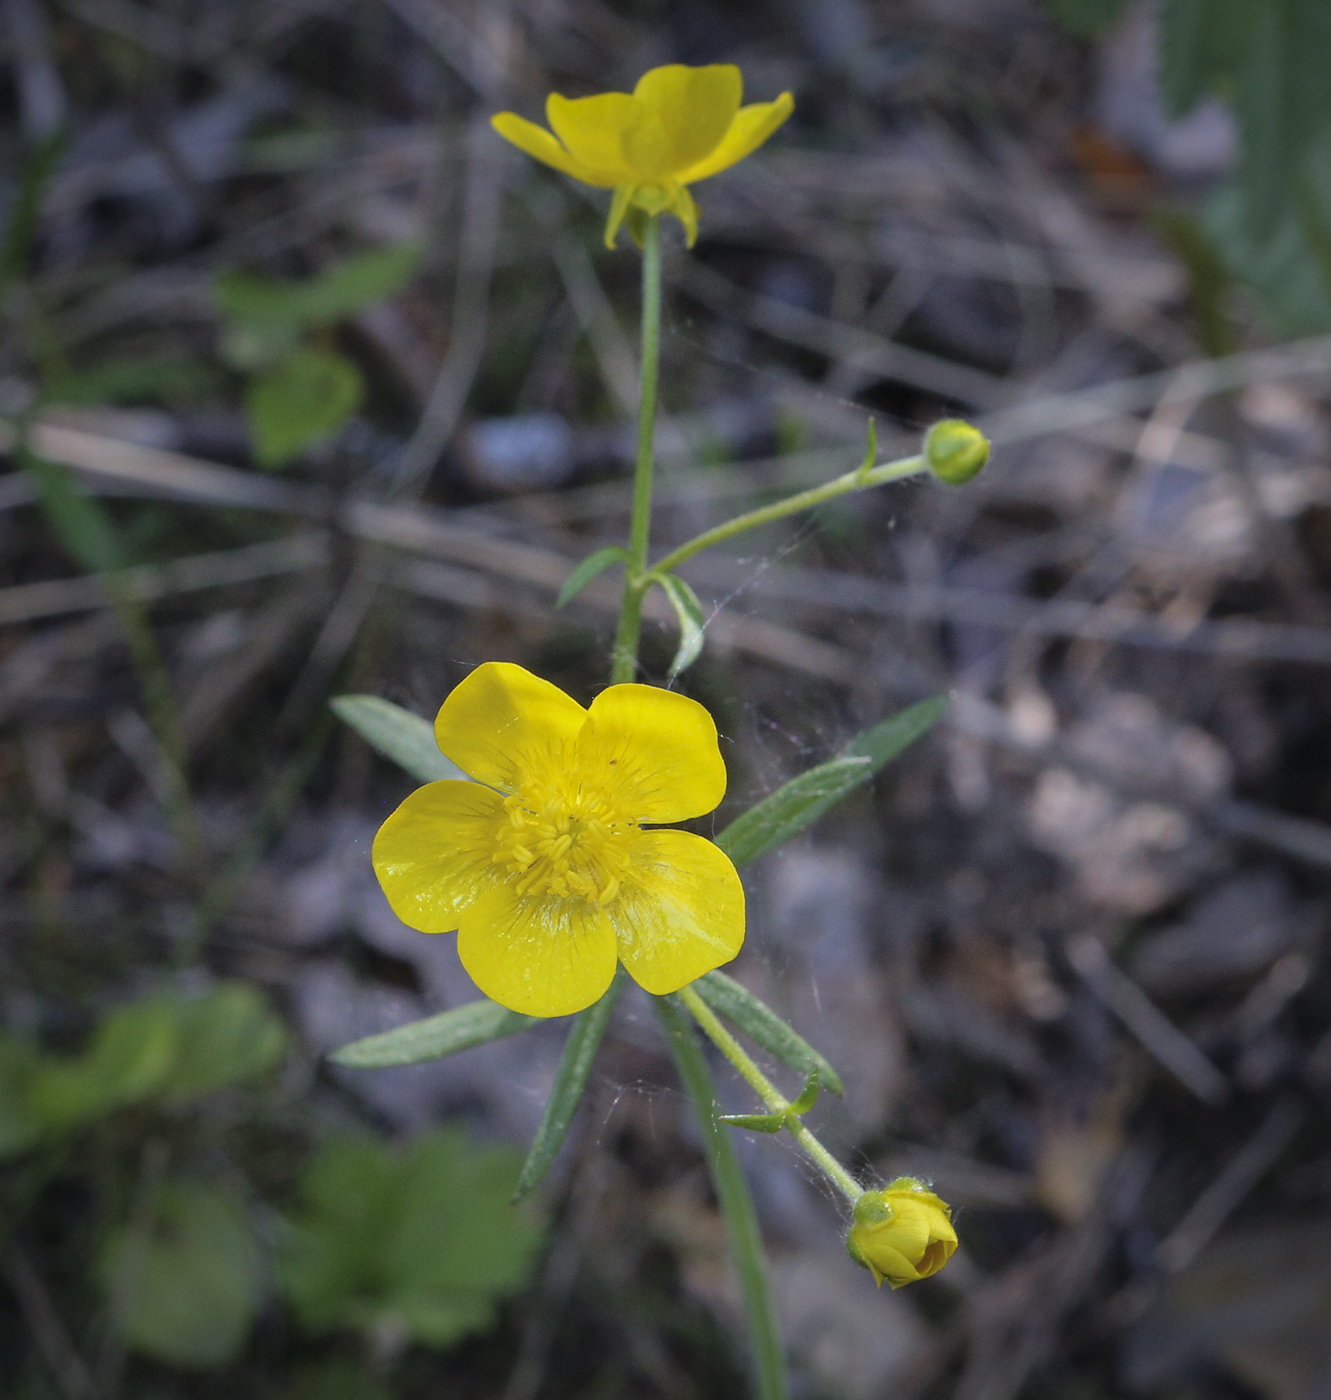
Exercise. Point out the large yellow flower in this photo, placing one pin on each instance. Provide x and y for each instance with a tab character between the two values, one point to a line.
542	864
679	126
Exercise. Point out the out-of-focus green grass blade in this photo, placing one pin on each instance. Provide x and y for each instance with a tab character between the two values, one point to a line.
398	734
801	801
431	1039
584	1039
764	1027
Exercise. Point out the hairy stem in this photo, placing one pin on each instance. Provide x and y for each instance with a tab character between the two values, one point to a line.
770	1095
857	480
625	664
736	1204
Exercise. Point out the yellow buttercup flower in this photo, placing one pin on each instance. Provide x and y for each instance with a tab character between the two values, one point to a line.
679	126
542	863
902	1233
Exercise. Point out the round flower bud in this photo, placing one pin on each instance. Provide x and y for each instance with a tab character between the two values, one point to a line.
955	451
901	1233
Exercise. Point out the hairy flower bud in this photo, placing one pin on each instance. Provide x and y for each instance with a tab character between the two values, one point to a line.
955	451
901	1233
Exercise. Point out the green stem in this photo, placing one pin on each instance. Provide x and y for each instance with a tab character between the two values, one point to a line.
625	664
736	1204
857	480
770	1095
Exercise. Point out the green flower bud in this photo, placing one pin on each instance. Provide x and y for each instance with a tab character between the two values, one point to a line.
901	1233
955	451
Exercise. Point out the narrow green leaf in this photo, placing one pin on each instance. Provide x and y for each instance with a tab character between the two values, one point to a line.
764	1027
590	567
792	807
477	1023
20	227
804	799
754	1122
81	524
397	734
691	621
584	1039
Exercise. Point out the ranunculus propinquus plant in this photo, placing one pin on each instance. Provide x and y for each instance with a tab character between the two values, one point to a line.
543	833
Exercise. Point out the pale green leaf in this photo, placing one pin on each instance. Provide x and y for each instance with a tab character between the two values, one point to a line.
336	293
692	621
300	400
431	1039
396	733
591	566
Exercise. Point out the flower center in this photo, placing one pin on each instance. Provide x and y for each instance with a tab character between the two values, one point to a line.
563	841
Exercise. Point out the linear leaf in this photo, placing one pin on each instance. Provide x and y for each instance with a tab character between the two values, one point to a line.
792	807
397	734
431	1039
801	801
590	567
584	1039
691	621
764	1027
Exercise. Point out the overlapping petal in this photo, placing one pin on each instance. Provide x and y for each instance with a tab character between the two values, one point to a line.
681	915
655	750
751	127
538	142
693	106
433	855
539	956
594	131
502	723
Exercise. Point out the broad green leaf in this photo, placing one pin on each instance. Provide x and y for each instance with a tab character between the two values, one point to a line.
431	1039
423	1240
228	1036
692	621
804	799
590	567
186	1290
584	1039
397	734
19	1130
764	1027
303	398
792	807
336	293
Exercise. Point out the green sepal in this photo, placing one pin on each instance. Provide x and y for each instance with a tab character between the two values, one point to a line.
584	1039
691	620
801	801
590	567
397	734
808	1096
477	1023
764	1027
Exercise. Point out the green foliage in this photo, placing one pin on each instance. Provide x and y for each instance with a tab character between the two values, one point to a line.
168	1049
132	381
79	521
396	733
477	1023
298	394
33	177
303	398
185	1284
421	1242
591	566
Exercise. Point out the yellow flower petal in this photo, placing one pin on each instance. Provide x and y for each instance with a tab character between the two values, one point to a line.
502	723
694	106
433	855
751	127
537	141
682	912
685	209
593	129
539	956
655	750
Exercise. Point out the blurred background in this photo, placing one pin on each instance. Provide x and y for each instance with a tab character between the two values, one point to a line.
311	385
